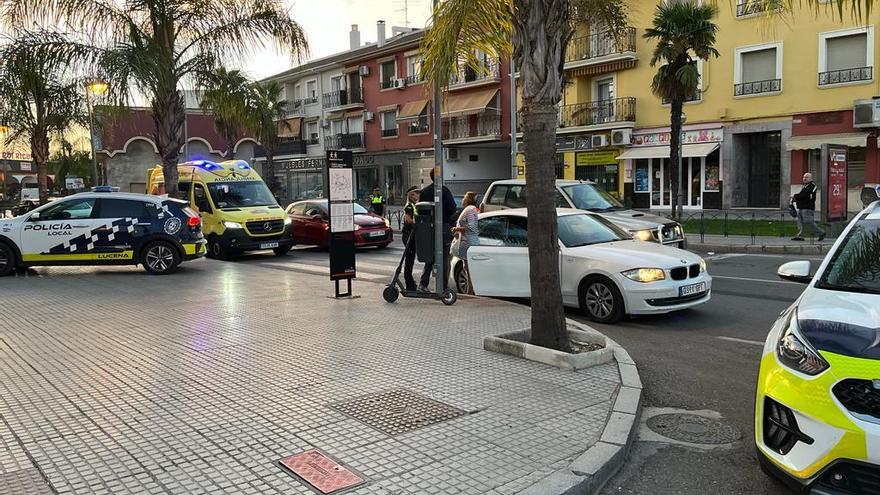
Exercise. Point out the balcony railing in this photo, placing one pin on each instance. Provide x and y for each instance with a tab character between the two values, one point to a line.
344	141
757	87
295	107
313	139
696	96
350	96
418	127
600	45
286	146
753	7
387	83
846	76
413	79
489	69
471	126
389	132
598	112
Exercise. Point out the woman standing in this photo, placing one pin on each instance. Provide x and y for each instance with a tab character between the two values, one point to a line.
466	228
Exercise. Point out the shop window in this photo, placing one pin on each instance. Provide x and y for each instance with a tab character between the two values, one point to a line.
712	182
640	176
560	166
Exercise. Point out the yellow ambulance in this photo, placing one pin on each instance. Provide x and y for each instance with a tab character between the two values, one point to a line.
238	211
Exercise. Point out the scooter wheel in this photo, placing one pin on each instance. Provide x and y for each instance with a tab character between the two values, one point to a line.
449	297
390	294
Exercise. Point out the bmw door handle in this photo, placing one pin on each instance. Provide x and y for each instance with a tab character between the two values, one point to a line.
480	257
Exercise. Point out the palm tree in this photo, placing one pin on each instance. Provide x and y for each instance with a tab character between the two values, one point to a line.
38	101
265	120
226	97
540	32
153	46
682	29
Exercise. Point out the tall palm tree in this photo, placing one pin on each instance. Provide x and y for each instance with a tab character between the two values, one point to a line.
265	120
39	101
540	31
685	33
226	97
153	46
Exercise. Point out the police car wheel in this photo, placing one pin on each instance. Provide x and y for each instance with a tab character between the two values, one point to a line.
7	260
160	258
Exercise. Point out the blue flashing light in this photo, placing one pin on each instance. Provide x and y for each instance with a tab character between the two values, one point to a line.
198	163
105	189
243	166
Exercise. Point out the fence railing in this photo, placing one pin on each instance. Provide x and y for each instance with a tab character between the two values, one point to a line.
598	112
346	141
466	74
697	95
846	75
746	225
757	87
295	107
471	126
600	44
343	97
389	132
418	127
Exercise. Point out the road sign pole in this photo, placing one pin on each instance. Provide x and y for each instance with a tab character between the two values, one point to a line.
439	255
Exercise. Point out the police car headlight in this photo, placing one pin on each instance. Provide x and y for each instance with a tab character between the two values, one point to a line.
645	274
643	235
287	221
232	225
795	352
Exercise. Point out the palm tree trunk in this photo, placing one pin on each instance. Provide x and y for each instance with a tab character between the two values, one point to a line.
40	154
269	170
675	149
549	328
168	115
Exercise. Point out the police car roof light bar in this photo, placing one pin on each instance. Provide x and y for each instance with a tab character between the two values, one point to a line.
105	189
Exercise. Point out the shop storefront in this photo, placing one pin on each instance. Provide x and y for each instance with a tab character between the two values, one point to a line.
602	168
300	179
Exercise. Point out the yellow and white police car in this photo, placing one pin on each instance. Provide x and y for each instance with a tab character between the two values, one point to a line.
103	227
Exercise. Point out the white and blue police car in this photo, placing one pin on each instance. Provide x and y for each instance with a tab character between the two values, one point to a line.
103	227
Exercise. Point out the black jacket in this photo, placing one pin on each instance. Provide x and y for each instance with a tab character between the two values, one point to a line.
448	200
806	199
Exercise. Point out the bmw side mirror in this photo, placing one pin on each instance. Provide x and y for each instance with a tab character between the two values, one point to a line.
796	271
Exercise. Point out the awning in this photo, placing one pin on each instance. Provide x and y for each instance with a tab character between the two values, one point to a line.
687	151
468	103
292	129
354	113
412	110
854	139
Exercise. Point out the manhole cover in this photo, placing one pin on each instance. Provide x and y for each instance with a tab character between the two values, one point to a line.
692	428
320	471
397	411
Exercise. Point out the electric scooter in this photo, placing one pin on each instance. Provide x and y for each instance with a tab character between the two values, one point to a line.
396	288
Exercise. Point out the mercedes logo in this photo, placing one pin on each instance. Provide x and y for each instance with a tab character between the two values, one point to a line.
267	226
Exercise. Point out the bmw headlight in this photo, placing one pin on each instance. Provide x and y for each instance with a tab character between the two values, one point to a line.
795	352
703	266
645	274
643	235
232	225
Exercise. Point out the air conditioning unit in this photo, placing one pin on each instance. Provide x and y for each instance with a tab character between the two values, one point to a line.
369	116
621	137
364	70
866	113
398	83
600	141
451	154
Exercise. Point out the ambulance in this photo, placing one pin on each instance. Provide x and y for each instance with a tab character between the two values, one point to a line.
238	211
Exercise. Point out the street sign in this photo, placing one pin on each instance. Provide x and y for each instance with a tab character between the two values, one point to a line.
835	182
340	187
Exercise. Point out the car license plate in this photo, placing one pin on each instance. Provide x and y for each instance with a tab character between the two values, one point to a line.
376	234
268	245
689	290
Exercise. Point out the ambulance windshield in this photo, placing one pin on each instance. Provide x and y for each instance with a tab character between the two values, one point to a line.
241	194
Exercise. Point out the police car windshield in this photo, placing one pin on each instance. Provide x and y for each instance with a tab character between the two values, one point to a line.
241	194
854	267
591	198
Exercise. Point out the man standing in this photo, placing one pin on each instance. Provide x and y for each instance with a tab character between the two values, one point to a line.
806	206
448	202
409	224
377	202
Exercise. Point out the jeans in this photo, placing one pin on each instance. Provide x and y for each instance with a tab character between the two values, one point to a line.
806	218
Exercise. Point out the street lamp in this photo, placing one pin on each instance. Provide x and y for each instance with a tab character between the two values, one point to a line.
93	88
679	194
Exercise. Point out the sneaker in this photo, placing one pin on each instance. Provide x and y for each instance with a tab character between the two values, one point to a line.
821	238
797	238
422	288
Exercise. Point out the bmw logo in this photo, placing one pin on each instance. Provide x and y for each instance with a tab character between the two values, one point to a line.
172	225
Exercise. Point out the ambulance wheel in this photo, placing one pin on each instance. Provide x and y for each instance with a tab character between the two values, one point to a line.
390	294
217	251
160	258
449	297
282	251
7	259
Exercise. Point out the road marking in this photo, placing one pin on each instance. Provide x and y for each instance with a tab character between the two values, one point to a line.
719	257
764	280
741	341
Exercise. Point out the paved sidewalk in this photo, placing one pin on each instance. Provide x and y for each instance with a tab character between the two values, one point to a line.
113	381
758	244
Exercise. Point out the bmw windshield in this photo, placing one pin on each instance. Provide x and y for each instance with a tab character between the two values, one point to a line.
855	266
591	198
241	194
584	230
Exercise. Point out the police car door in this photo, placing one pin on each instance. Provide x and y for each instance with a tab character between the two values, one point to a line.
121	224
59	232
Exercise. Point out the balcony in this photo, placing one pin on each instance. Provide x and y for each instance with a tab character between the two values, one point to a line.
845	76
696	96
757	87
286	146
472	128
350	141
344	98
597	115
466	76
389	133
600	48
746	8
295	107
414	79
418	127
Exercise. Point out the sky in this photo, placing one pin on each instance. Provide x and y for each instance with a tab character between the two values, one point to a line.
327	24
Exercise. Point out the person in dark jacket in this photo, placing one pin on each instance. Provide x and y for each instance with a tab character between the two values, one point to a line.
448	202
806	209
409	227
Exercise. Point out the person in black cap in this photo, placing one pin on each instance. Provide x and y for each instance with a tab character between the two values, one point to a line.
409	227
448	202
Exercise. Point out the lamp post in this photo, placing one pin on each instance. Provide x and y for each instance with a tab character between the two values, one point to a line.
679	194
93	88
439	252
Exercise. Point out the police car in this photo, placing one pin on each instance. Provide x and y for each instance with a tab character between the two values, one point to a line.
103	227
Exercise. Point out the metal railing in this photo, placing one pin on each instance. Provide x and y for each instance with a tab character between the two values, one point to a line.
295	107
751	226
313	139
846	75
598	112
350	96
757	87
413	79
418	127
695	96
489	69
472	126
286	146
387	84
600	44
752	7
344	141
389	132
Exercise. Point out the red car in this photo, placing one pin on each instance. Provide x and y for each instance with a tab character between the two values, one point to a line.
311	225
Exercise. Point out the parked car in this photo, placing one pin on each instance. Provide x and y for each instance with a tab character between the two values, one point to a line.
605	272
311	225
585	195
817	410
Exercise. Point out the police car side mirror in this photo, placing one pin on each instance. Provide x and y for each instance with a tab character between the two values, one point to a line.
35	217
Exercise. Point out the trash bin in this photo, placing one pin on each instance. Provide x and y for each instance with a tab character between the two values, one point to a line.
424	231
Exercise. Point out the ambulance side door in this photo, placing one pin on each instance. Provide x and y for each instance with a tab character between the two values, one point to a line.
211	222
61	232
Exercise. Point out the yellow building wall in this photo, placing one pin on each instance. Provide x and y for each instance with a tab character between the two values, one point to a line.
568	158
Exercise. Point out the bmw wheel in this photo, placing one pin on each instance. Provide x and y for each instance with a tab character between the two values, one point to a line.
7	260
601	300
462	284
160	258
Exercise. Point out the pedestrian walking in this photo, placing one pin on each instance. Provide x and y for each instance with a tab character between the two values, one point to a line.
377	202
409	228
448	202
466	229
805	201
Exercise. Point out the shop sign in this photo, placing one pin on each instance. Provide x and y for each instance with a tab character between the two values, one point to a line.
836	190
565	142
15	155
641	181
304	164
364	160
596	158
25	166
687	137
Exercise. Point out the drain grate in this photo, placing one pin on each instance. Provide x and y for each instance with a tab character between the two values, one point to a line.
692	428
397	411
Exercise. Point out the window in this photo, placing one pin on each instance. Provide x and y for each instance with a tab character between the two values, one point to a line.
241	194
758	70
122	208
413	68
584	230
297	209
312	91
604	89
387	73
297	92
503	231
200	198
312	210
517	232
746	8
389	123
312	132
355	125
421	125
846	56
337	127
69	210
853	267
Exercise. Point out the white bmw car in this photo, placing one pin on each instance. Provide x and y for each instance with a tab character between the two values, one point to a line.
605	272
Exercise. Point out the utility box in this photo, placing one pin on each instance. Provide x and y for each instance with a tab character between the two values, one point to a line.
424	231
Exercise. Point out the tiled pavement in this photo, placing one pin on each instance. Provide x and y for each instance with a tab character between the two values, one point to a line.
113	381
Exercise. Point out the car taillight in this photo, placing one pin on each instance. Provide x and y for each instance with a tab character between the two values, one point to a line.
193	222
